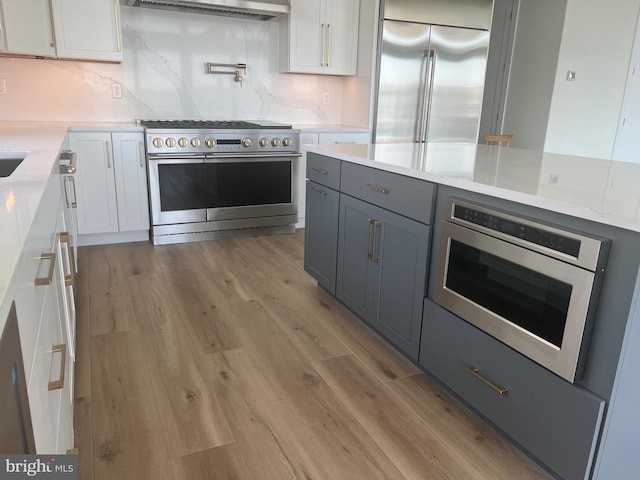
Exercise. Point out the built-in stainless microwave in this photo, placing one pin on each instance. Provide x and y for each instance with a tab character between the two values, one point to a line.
531	285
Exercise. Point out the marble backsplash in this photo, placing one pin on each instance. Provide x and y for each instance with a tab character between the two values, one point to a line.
163	75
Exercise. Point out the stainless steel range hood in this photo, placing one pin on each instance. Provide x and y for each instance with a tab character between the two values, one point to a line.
257	10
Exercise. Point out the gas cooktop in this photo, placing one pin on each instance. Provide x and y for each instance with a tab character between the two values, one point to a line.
212	124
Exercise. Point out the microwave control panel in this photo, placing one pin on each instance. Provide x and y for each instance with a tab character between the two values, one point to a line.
528	233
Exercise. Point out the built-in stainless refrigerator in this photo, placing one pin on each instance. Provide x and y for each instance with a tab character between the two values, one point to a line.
431	70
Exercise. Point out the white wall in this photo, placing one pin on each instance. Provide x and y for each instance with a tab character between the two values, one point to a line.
533	71
597	39
163	76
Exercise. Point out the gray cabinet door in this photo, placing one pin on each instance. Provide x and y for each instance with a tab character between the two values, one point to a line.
400	277
556	421
355	269
321	234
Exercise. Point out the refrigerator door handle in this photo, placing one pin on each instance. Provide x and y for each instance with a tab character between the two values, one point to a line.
427	87
428	102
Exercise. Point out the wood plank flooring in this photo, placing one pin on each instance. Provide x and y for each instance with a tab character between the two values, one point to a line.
223	360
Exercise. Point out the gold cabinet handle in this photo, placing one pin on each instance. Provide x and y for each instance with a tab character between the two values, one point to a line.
374	257
69	278
51	257
320	191
476	373
59	384
377	188
321	171
108	144
324	38
369	223
72	181
141	148
116	12
328	45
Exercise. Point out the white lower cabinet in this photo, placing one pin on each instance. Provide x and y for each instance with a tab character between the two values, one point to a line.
110	181
45	309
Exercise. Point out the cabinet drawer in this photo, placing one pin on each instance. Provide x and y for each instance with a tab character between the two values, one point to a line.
554	420
323	170
29	296
404	195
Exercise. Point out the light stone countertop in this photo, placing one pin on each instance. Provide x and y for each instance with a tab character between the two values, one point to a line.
604	191
20	193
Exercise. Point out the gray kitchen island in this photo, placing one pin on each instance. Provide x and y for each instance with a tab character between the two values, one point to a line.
547	347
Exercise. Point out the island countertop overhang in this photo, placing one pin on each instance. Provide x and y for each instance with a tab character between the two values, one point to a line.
603	191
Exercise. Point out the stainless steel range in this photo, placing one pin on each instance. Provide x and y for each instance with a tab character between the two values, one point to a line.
209	179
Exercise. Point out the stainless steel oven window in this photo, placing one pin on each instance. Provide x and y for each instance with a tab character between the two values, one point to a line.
538	280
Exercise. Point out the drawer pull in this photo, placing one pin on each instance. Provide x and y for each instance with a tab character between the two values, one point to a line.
377	188
476	373
320	191
59	384
41	281
321	171
72	181
66	239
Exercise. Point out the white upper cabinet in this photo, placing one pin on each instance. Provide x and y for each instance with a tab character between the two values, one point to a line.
321	37
78	29
27	28
87	29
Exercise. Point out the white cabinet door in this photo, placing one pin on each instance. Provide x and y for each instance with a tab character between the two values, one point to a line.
341	38
303	37
321	37
3	37
27	27
131	181
87	29
95	182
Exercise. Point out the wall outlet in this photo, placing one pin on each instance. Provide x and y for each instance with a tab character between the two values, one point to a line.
116	90
3	87
325	98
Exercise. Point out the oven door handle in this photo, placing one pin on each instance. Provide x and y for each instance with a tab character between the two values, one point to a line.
173	156
252	156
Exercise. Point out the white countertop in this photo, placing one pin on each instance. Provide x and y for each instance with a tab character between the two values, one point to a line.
603	191
21	192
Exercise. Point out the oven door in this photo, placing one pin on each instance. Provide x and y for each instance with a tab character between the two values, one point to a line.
177	189
249	187
537	305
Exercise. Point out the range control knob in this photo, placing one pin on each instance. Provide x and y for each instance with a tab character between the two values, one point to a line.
247	142
195	142
183	142
210	142
157	142
264	142
287	141
276	142
171	142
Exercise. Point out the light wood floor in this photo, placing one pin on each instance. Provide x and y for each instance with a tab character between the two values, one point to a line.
223	360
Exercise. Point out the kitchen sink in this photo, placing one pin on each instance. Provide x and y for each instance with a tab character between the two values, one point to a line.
9	161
